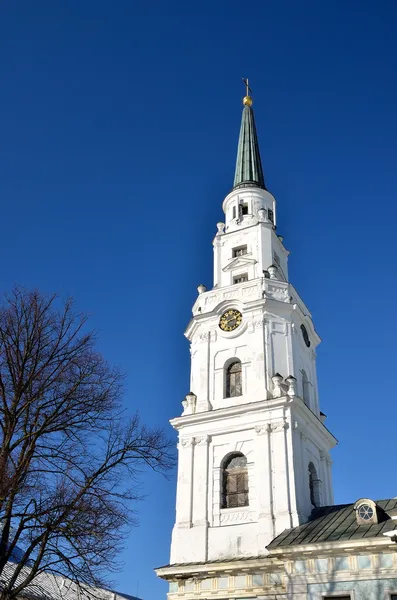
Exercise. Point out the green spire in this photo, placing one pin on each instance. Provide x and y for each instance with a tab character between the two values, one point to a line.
249	171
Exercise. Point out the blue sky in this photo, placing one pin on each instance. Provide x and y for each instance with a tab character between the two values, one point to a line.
118	134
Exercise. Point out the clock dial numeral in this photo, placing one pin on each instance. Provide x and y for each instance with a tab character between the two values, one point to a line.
230	320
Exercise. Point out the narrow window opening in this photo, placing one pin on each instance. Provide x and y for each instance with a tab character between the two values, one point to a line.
270	215
314	486
305	389
240	251
240	278
234	380
235	482
243	209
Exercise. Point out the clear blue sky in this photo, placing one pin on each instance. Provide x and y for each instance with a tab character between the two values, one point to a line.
118	134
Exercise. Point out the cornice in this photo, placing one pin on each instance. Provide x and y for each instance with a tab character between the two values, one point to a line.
262	406
332	548
263	563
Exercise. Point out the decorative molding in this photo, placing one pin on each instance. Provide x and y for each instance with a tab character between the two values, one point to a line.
237	293
186	442
278	426
240	261
229	517
204	337
256	324
261	429
277	292
207	336
202	440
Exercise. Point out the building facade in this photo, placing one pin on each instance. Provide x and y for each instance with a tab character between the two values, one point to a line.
254	452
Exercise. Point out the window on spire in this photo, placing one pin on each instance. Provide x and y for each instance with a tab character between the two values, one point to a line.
235	481
240	251
233	374
270	215
240	278
243	209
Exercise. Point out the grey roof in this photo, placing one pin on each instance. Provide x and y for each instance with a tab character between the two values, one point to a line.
46	586
249	171
337	523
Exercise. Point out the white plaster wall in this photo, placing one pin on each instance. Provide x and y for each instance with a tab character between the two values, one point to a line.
266	435
253	230
309	447
255	198
264	348
279	436
262	244
304	358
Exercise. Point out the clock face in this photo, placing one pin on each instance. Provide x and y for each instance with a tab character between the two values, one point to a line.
305	336
230	320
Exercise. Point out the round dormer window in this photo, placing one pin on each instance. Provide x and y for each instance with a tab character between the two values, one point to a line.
366	512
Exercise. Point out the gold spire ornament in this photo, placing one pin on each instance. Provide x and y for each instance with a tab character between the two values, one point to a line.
247	100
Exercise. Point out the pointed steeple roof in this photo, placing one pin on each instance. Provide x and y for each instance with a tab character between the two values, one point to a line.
249	172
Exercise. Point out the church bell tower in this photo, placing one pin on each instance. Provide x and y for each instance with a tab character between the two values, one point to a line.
253	451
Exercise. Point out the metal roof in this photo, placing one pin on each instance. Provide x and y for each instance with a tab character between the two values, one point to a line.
47	586
249	172
337	523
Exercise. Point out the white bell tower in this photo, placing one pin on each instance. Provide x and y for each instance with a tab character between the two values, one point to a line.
253	447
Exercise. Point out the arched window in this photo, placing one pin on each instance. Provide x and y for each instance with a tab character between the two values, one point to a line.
305	388
235	481
233	380
314	486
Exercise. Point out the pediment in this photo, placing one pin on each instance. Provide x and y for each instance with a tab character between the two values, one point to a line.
239	261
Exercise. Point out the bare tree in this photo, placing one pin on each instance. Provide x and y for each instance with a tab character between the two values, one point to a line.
66	447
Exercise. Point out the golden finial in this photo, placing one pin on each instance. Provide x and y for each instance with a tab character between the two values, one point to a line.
247	100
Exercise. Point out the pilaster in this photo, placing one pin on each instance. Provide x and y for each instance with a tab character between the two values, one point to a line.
264	474
185	483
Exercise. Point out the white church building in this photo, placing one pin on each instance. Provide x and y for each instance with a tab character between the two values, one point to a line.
254	506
